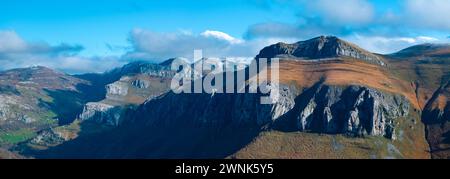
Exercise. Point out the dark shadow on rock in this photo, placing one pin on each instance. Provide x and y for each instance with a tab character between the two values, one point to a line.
68	104
287	122
65	104
138	142
8	89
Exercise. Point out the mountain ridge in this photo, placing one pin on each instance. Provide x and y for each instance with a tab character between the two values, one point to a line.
426	49
349	95
319	48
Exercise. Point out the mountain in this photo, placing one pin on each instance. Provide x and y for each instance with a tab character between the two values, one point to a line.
319	48
117	93
431	50
36	98
427	67
139	81
337	100
334	103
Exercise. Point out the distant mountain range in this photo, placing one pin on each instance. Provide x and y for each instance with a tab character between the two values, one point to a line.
337	101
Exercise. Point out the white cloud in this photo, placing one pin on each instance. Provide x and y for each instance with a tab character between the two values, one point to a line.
149	45
221	36
387	45
11	42
428	13
381	29
15	52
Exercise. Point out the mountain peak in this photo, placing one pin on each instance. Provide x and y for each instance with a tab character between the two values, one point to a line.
169	62
33	70
319	48
39	77
426	49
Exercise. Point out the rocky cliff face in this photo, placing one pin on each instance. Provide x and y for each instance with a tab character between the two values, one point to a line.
213	110
138	82
103	113
351	110
319	48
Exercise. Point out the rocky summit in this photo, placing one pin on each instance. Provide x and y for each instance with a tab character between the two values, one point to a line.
320	48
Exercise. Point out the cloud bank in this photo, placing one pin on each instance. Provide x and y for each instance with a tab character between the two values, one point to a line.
154	46
147	45
364	22
18	53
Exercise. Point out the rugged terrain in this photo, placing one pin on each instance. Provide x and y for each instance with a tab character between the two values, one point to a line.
427	67
135	83
37	98
337	101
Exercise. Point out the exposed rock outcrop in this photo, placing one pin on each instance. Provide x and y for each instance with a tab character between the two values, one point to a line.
117	88
103	113
11	108
353	110
47	138
141	83
138	81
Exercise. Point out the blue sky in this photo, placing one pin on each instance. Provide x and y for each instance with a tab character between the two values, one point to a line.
95	23
97	35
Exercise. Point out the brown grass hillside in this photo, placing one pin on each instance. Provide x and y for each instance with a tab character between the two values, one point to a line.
304	74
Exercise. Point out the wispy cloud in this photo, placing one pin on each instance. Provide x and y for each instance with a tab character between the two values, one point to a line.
348	12
15	52
386	45
154	46
10	42
428	13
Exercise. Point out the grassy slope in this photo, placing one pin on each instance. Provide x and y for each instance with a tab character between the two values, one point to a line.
43	106
345	72
16	136
299	145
